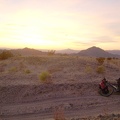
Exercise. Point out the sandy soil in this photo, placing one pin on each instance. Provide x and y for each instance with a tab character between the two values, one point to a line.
72	93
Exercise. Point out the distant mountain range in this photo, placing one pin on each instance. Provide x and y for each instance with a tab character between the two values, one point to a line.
114	51
67	51
92	51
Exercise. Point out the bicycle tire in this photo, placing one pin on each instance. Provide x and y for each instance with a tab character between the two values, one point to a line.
111	90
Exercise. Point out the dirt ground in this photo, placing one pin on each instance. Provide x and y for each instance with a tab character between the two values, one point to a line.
72	92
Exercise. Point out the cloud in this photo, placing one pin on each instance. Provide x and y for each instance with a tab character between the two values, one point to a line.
92	41
79	43
103	39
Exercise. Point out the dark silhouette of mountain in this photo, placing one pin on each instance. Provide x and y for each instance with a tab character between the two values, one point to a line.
96	52
67	51
114	52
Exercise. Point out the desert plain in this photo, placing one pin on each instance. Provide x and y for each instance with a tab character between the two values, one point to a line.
70	93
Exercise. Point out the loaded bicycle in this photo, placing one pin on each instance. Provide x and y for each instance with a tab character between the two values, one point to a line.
110	88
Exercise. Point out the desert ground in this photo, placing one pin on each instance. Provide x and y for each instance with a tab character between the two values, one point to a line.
70	93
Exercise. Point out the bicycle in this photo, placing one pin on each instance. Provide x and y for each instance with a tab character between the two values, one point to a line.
112	88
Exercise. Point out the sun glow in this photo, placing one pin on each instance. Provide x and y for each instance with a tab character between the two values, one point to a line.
56	24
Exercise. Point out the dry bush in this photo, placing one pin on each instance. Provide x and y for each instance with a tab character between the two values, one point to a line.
88	69
27	71
100	69
100	60
13	69
109	59
51	52
45	77
5	55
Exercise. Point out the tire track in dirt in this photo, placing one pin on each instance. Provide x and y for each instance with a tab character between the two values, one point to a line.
82	106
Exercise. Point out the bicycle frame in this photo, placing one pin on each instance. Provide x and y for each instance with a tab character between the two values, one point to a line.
113	86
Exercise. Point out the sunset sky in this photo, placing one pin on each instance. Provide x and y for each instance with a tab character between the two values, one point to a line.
60	24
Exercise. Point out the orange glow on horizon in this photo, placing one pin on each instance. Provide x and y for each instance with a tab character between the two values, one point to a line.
58	24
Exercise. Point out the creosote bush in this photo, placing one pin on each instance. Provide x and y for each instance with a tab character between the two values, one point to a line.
100	70
100	60
13	69
27	71
5	55
109	58
45	77
51	52
88	69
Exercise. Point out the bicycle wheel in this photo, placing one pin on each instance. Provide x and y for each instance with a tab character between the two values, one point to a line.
111	90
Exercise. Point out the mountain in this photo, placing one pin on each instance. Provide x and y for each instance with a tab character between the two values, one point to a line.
96	52
67	51
92	51
25	52
114	51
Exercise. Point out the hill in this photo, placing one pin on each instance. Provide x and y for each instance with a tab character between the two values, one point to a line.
26	52
96	52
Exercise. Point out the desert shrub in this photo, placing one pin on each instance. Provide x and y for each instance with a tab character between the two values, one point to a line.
109	58
27	71
13	69
51	52
100	60
5	55
45	77
100	70
88	69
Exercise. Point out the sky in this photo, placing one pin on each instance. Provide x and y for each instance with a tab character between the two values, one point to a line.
60	24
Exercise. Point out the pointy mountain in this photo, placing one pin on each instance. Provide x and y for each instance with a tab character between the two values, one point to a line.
96	52
67	51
